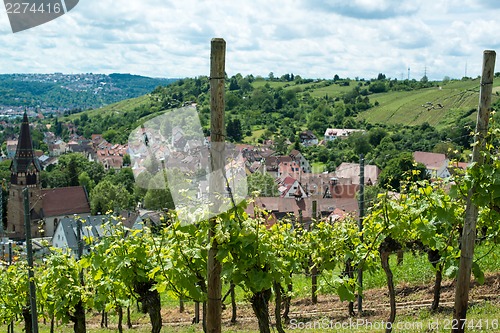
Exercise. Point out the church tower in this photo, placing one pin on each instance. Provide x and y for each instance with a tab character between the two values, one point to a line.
25	173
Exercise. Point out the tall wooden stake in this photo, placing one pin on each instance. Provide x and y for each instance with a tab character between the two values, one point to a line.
29	252
360	225
471	210
217	183
314	270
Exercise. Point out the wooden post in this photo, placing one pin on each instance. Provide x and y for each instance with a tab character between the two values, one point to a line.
314	270
360	225
216	183
471	210
29	253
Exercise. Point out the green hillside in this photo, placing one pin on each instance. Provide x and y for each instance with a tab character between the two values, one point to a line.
438	106
59	92
127	105
266	108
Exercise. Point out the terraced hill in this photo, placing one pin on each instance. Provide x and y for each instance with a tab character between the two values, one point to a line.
439	106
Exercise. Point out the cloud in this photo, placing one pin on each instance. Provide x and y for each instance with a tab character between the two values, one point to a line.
311	38
365	9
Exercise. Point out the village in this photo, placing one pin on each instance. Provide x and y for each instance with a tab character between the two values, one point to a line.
303	193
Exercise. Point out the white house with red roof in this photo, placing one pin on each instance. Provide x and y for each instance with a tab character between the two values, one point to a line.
436	164
340	133
290	188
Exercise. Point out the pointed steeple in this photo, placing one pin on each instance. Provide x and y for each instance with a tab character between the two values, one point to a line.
25	160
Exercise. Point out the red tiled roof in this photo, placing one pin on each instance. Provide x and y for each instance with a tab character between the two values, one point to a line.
430	160
65	201
288	181
286	205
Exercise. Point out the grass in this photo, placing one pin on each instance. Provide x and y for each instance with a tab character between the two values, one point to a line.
318	167
256	134
410	108
119	107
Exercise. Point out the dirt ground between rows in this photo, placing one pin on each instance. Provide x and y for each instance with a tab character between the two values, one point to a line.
410	301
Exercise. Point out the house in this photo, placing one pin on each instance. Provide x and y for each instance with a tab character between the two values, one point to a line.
11	148
290	188
457	167
57	148
301	160
337	215
352	171
272	164
436	164
334	133
111	156
290	168
302	210
58	203
307	138
96	140
66	234
149	218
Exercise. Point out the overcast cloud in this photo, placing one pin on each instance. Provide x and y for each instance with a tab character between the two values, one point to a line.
312	38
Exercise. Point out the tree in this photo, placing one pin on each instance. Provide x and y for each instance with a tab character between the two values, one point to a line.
156	197
107	196
233	130
85	181
400	169
233	84
263	183
126	160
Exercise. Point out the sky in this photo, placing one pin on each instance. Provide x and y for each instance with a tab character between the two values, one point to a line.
310	38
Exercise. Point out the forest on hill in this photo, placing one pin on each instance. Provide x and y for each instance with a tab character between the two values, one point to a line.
396	116
59	92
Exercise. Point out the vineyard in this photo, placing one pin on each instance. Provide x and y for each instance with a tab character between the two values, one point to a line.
137	268
131	270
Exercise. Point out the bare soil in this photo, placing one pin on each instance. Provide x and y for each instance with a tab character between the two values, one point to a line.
411	300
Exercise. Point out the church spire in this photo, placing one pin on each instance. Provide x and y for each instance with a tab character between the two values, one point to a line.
25	160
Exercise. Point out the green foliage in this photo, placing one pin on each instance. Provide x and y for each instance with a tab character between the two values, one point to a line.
61	289
107	196
35	90
401	169
158	198
233	130
262	183
69	169
14	291
331	247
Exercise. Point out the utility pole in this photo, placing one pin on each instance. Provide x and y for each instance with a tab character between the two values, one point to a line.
29	252
360	224
216	181
471	210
